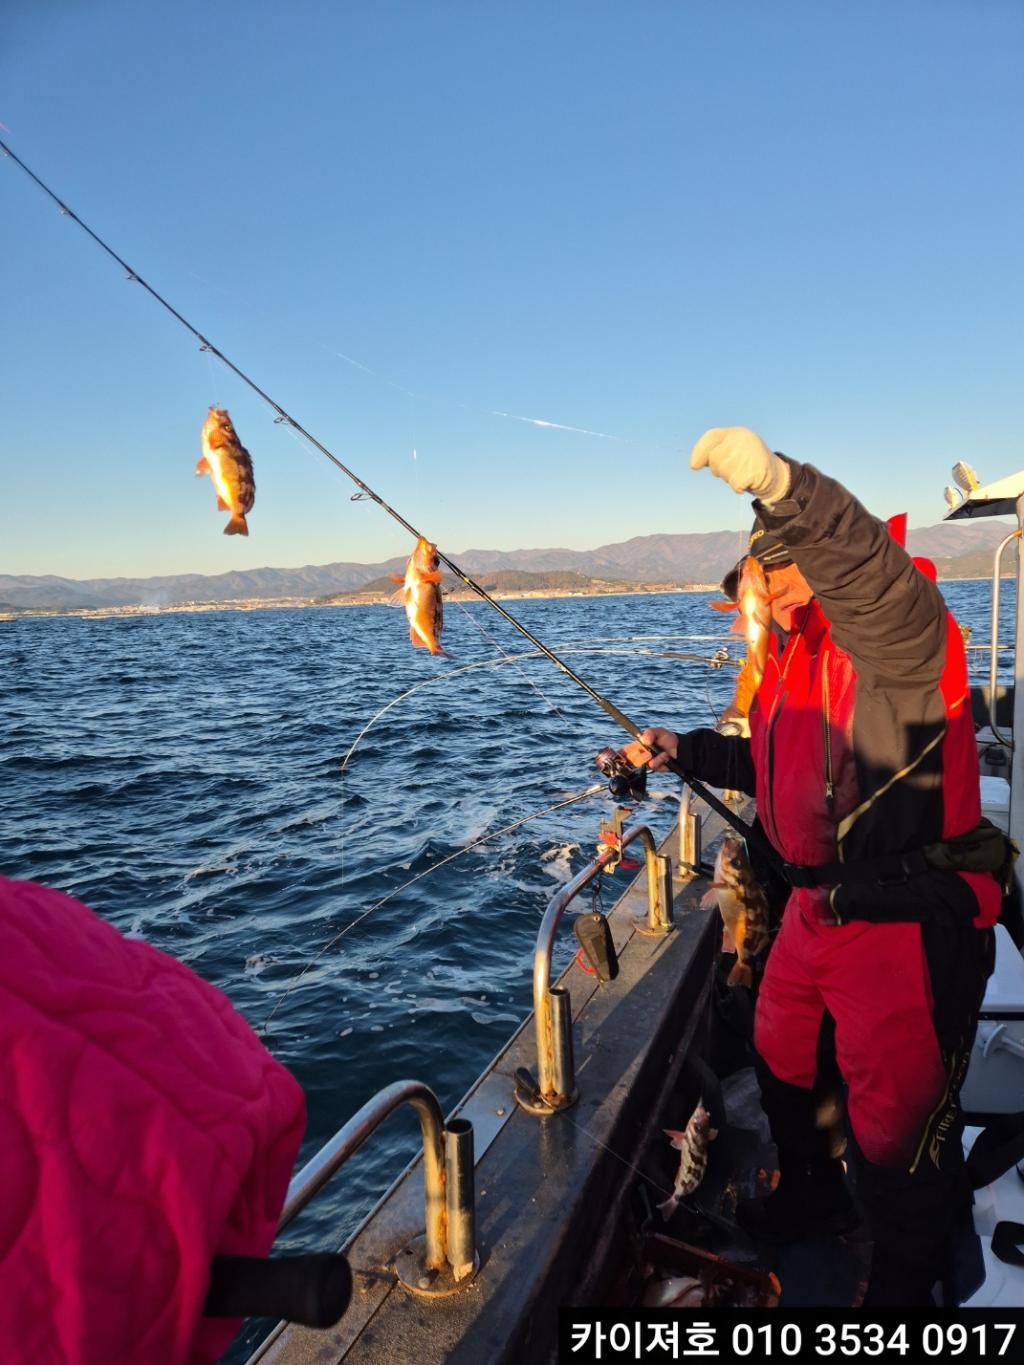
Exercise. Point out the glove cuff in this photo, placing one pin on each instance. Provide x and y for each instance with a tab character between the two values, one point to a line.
776	482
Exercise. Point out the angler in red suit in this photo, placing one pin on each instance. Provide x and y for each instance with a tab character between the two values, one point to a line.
861	755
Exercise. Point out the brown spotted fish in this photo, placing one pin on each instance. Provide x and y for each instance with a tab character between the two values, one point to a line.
742	905
692	1146
227	462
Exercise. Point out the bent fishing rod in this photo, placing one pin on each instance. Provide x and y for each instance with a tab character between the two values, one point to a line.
286	419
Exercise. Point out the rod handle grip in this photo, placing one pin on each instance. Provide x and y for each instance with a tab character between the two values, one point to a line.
313	1290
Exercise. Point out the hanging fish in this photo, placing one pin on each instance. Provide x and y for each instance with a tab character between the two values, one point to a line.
227	462
754	604
742	904
692	1145
421	594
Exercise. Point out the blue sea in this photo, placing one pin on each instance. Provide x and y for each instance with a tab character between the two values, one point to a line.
230	787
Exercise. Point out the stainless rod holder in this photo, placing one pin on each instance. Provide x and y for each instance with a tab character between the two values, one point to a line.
690	830
550	1098
552	1008
659	910
564	1076
461	1198
426	1265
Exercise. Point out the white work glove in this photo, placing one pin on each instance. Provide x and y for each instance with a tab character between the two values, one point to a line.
741	458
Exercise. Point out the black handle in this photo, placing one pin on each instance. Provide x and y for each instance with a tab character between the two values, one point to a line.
312	1290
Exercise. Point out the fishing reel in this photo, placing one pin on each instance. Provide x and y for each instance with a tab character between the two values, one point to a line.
626	781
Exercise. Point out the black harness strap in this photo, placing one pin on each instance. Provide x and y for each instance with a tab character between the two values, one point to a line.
891	870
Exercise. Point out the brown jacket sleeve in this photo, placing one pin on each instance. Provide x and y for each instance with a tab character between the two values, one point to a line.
885	613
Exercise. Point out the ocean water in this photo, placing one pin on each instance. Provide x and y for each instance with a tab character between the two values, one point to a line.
182	774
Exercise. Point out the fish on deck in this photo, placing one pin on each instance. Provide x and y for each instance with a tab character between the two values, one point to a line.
421	594
692	1145
743	905
229	465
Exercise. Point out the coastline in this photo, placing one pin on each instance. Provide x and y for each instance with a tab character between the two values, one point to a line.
343	601
356	599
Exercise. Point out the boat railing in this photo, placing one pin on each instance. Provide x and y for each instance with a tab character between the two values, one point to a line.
444	1258
993	661
555	1087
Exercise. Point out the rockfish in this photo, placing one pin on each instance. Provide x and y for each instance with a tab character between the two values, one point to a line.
755	623
421	594
227	462
692	1146
742	905
754	604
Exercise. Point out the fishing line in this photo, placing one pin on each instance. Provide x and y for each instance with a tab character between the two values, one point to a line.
611	1152
519	669
609	707
580	796
513	658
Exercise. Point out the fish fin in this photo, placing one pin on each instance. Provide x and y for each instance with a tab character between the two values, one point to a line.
396	578
668	1208
712	1134
677	1138
397	599
741	975
431	577
709	901
222	506
738	627
724	606
203	467
237	526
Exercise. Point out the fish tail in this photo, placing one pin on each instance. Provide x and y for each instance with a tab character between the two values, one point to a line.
237	526
741	975
668	1207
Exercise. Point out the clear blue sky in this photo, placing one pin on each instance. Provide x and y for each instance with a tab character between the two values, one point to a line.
640	219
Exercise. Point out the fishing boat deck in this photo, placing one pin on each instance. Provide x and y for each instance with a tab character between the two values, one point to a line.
550	1191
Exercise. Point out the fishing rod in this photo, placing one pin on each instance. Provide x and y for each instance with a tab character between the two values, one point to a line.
285	418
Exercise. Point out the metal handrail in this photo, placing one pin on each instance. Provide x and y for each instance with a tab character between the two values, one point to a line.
993	644
552	1008
448	1229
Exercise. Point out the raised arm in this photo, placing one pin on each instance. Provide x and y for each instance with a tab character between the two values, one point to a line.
884	612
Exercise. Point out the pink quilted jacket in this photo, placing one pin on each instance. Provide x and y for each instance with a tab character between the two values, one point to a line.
143	1128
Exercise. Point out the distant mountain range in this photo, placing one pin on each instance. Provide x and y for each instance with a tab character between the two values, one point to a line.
960	550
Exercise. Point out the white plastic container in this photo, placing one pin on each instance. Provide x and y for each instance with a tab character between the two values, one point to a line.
995	1076
995	801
